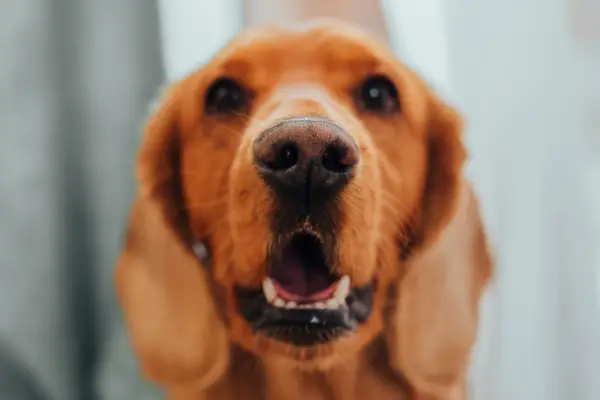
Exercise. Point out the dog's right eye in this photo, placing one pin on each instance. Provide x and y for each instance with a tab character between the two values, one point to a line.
225	96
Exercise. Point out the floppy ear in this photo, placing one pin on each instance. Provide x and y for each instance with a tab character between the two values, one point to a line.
435	318
174	325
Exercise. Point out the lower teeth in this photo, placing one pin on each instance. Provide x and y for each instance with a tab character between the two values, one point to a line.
336	301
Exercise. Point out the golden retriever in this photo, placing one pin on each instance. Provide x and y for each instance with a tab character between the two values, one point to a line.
303	228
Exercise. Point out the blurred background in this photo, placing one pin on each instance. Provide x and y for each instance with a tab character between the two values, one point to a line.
76	81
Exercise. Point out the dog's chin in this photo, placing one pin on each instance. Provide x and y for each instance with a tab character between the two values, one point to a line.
302	303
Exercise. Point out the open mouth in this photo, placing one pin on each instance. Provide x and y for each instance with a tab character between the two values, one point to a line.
303	301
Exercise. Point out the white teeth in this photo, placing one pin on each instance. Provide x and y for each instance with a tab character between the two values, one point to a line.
269	290
279	303
332	304
337	300
291	304
342	290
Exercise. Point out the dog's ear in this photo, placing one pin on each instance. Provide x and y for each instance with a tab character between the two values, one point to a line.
173	322
435	316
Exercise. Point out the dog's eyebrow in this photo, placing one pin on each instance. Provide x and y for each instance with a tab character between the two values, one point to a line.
236	66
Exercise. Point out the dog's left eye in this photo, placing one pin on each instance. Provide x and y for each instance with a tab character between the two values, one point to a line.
377	94
225	96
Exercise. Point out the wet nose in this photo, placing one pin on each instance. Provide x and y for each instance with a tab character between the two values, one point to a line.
305	155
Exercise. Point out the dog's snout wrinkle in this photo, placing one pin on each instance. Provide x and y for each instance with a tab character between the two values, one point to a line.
305	156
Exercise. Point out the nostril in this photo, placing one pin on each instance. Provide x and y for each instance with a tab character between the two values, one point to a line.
338	159
285	157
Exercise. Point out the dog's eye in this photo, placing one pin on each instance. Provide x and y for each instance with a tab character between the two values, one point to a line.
378	94
225	96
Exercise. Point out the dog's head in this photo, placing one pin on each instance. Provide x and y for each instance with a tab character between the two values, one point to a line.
311	165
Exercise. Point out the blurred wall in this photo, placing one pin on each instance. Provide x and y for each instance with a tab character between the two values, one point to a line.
76	78
193	31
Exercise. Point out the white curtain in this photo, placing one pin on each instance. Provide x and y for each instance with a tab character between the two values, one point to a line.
193	31
529	86
526	83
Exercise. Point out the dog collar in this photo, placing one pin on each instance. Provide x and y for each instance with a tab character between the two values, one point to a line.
202	253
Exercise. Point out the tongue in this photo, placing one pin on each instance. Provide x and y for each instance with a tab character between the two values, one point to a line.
299	282
317	296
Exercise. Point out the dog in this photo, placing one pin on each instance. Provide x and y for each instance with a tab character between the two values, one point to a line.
303	228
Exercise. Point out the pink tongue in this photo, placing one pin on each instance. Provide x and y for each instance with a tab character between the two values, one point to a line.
318	296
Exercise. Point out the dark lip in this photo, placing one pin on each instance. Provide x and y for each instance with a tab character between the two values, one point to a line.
305	327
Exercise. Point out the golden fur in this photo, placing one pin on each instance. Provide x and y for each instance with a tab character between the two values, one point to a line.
409	219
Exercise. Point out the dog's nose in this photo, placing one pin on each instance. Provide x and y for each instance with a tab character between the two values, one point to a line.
304	156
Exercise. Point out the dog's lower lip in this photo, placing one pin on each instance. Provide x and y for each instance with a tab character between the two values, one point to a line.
306	319
305	324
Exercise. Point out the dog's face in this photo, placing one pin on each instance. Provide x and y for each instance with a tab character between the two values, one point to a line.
304	160
311	163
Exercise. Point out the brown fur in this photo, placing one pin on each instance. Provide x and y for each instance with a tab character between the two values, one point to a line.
408	218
